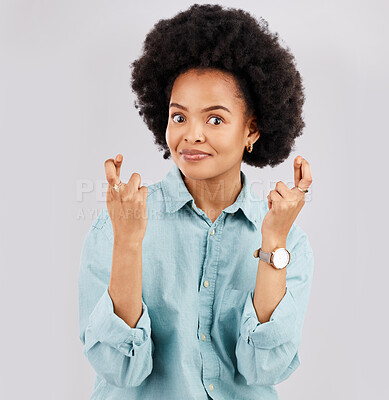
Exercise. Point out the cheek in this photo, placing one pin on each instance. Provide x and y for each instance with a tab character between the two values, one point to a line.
173	139
229	143
170	137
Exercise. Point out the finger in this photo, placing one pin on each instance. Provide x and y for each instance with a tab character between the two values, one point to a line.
269	202
274	196
133	184
110	172
297	170
145	191
306	178
282	189
118	164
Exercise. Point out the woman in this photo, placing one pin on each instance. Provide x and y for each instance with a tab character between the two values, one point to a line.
174	301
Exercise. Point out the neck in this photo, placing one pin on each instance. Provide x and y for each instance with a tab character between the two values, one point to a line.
213	195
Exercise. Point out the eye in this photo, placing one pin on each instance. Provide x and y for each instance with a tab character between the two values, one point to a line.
176	115
219	118
180	115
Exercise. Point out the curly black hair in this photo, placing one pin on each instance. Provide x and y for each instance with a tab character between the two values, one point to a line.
231	40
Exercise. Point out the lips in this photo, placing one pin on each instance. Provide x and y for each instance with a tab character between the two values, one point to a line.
193	152
195	157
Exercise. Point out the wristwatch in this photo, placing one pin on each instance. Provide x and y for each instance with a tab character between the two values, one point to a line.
279	258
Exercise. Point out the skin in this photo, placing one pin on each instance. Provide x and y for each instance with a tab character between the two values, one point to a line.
214	184
284	206
128	212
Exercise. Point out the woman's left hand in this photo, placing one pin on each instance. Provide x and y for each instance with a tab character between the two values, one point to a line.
285	204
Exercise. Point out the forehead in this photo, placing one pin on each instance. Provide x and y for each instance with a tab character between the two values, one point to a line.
205	86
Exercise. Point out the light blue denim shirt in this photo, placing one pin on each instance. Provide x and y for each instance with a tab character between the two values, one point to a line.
198	336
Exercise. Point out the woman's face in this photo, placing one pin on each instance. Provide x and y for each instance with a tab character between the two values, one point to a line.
221	132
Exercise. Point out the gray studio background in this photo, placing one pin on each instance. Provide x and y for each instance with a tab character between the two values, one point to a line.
66	106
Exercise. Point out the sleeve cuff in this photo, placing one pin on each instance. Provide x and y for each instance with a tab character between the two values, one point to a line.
275	332
107	327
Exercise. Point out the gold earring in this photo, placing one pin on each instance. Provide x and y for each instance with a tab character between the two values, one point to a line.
249	148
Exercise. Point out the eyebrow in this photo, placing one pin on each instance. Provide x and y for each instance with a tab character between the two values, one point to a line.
203	110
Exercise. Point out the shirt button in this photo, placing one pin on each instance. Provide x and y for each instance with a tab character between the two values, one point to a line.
212	232
233	214
206	283
203	337
192	205
211	386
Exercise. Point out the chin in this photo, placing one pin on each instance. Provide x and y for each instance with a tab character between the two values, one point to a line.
195	170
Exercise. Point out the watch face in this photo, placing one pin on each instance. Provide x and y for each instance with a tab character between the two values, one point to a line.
281	258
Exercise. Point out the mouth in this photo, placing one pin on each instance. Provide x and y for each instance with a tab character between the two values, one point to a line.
194	157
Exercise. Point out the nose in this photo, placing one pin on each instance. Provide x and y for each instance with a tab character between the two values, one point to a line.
194	133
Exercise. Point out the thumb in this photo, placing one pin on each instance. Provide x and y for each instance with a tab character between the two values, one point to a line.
145	191
269	202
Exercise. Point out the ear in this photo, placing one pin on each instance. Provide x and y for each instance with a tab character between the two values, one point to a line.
254	133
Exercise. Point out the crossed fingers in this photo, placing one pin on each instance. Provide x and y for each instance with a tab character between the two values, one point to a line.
302	180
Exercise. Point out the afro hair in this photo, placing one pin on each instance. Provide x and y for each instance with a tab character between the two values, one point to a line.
231	40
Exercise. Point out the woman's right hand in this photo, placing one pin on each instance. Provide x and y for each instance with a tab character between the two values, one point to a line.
128	207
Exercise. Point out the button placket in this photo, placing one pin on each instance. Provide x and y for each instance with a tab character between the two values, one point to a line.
211	363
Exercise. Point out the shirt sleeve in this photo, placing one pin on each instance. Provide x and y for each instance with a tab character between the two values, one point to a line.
118	353
267	353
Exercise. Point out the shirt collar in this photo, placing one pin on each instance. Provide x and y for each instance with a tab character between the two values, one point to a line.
176	195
